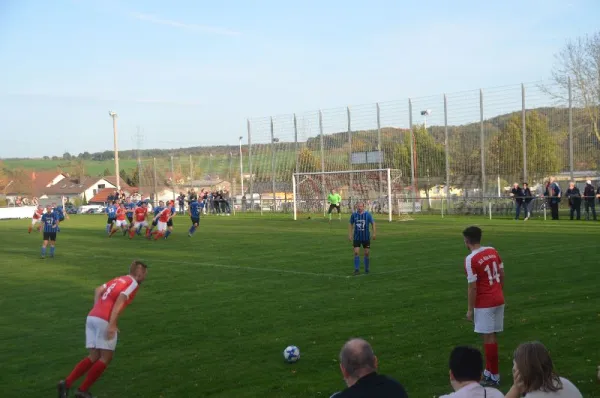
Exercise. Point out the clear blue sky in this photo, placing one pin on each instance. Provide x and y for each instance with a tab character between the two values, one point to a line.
190	72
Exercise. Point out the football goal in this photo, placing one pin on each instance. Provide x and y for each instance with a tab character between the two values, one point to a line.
378	189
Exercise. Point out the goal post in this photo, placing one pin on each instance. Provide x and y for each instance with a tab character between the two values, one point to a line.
376	188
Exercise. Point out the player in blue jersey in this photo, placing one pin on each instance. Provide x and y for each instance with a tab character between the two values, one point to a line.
50	223
60	212
111	211
359	234
129	210
156	211
194	211
171	206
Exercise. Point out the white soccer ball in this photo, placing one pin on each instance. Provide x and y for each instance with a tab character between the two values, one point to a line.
291	354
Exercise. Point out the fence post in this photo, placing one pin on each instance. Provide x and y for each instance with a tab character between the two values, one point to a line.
322	159
296	141
412	155
173	179
191	171
379	152
446	150
482	137
350	155
155	180
273	165
250	165
524	127
571	130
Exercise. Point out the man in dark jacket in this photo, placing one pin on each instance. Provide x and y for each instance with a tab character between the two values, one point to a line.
517	194
528	199
358	364
589	199
574	196
553	194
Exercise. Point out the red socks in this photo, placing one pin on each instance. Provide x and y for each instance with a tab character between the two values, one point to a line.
79	371
93	375
491	358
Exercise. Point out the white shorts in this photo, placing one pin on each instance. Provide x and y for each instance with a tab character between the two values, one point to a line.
95	334
34	221
162	226
139	224
121	223
489	320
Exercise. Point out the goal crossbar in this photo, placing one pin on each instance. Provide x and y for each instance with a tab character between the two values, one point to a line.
321	196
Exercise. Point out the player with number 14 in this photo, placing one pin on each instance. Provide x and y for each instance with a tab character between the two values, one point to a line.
485	277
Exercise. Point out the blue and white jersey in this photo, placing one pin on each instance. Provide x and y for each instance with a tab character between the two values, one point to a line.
195	209
361	223
130	208
50	222
111	210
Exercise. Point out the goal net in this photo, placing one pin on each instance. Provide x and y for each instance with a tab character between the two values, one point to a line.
381	191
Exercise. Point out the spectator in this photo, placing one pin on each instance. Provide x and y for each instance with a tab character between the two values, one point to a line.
517	194
553	193
589	199
358	364
466	368
534	375
181	200
574	196
528	198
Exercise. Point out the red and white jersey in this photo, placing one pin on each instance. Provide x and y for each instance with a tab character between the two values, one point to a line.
164	215
38	214
140	214
483	267
121	214
126	285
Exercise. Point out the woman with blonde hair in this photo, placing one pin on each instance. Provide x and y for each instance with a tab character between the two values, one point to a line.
534	375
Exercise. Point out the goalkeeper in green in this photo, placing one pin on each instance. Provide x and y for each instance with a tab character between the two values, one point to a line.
334	200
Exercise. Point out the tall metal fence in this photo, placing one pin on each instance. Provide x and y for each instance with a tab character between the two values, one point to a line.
465	145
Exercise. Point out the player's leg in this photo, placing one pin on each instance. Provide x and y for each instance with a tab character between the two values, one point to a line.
356	245
367	250
31	226
331	206
339	212
489	322
45	244
52	242
106	349
194	226
169	228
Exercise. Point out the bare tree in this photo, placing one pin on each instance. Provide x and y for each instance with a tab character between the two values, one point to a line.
579	61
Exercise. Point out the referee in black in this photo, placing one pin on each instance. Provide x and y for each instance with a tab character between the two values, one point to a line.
358	364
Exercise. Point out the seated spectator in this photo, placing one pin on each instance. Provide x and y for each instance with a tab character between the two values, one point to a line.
358	364
534	375
466	369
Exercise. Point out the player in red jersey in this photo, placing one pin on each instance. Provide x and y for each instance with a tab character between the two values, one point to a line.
101	330
163	218
141	212
121	221
36	219
485	276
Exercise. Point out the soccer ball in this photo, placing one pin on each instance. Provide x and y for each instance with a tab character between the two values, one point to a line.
291	354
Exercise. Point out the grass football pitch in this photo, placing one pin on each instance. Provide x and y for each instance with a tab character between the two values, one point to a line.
217	310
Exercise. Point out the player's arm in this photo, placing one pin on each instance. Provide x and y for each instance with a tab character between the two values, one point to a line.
351	227
372	221
471	295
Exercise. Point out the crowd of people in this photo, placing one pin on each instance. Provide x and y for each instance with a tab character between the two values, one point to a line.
553	195
215	202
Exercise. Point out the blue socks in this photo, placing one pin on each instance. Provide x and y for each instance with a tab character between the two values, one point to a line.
108	227
192	230
51	251
167	234
366	264
356	263
43	251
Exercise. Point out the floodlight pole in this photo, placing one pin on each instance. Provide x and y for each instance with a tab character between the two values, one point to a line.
116	149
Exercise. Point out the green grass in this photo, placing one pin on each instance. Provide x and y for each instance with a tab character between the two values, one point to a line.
217	310
92	167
